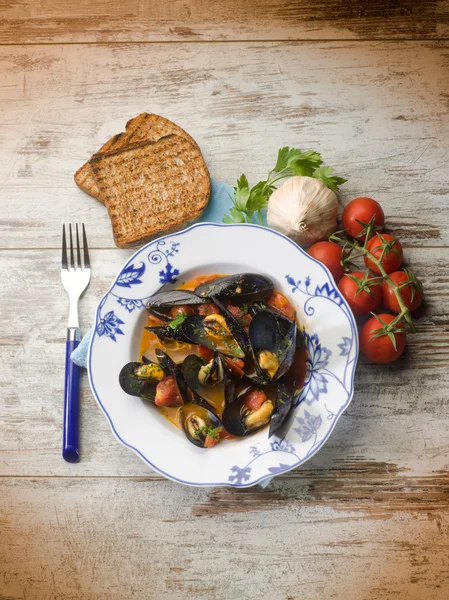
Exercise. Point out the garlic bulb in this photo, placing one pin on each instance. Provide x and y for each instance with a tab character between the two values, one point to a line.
303	208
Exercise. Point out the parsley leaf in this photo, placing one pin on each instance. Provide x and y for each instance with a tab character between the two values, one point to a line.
325	175
177	321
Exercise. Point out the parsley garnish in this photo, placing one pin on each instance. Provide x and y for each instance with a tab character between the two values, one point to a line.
213	432
177	321
290	161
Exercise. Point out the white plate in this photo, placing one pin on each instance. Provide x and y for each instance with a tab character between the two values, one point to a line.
331	336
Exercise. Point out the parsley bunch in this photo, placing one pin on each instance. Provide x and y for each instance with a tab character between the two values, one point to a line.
290	162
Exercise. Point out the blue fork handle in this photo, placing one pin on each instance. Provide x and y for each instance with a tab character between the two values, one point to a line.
70	439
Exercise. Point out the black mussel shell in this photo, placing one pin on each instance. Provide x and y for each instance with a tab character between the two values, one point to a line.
276	334
195	418
194	330
199	374
235	416
159	304
300	339
243	287
282	407
172	369
137	386
239	334
168	333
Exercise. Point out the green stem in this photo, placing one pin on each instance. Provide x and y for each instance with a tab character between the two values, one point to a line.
404	312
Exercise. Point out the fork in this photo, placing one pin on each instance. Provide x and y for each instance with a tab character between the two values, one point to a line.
75	277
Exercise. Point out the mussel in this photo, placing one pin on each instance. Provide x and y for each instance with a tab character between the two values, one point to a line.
172	369
166	332
201	427
162	303
200	376
243	287
214	332
273	342
249	412
141	379
282	407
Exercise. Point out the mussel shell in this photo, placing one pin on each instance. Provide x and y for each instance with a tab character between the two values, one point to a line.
191	367
233	420
282	407
167	333
159	304
134	385
172	369
243	287
193	329
277	334
211	420
190	371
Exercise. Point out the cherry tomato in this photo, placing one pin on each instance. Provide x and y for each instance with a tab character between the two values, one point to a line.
182	309
280	303
390	257
207	309
244	318
255	398
411	293
367	299
206	353
330	254
381	349
362	209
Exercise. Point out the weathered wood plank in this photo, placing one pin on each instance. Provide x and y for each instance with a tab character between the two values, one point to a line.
399	417
199	20
378	112
121	539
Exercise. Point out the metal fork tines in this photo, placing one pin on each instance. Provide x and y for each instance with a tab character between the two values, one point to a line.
75	273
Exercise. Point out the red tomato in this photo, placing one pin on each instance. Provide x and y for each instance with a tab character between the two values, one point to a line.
381	349
208	309
206	353
211	440
330	254
235	366
367	299
362	209
390	258
183	309
242	317
280	303
167	393
411	293
255	398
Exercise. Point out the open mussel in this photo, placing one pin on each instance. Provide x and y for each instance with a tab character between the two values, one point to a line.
141	379
200	375
282	407
243	287
248	413
201	427
214	331
167	305
273	342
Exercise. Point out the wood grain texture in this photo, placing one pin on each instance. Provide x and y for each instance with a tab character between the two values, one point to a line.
400	415
202	20
78	539
377	111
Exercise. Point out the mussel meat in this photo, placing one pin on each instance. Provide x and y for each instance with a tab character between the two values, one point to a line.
243	287
201	427
273	342
214	332
162	303
141	379
249	412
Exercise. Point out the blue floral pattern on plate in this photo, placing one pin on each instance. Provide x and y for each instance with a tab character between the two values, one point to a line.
331	358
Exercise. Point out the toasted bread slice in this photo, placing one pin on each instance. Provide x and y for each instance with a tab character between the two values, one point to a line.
152	187
143	128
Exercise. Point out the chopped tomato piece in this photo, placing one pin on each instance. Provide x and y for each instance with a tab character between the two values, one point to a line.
210	440
167	393
208	309
280	303
255	398
239	313
235	366
206	353
183	309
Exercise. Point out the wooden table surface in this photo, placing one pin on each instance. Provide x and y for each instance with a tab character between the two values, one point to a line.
367	84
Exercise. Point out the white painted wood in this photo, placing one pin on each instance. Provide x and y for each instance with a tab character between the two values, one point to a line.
203	20
377	112
121	539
